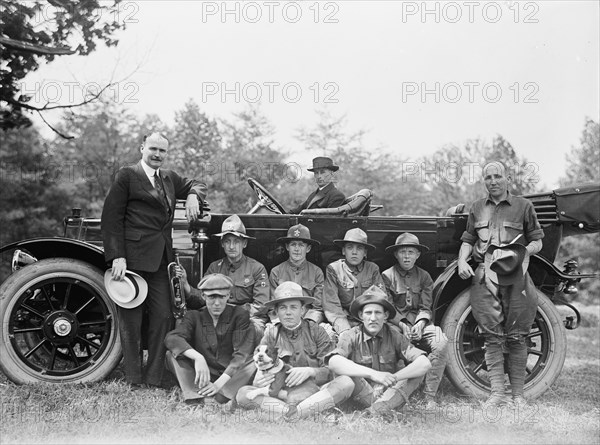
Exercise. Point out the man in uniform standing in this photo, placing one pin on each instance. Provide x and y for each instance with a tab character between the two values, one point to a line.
504	313
136	224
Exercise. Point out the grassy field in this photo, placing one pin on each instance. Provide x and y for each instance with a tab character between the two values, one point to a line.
109	412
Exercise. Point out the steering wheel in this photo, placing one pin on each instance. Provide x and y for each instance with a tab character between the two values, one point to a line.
265	198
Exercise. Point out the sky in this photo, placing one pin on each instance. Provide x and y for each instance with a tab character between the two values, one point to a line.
417	76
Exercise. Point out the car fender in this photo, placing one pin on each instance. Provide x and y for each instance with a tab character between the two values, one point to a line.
55	247
448	284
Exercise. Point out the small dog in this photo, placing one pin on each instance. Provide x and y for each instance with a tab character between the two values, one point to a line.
267	361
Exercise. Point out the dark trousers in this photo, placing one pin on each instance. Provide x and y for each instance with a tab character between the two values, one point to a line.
160	321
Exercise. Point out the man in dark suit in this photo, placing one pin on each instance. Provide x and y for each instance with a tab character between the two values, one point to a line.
327	195
136	228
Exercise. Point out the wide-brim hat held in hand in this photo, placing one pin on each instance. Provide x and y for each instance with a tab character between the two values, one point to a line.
129	292
504	265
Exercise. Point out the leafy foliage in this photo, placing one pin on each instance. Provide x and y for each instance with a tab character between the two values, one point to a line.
46	28
583	165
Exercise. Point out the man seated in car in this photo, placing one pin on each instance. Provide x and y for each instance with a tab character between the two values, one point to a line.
348	278
327	195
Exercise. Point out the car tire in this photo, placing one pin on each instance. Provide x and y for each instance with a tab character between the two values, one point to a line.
466	368
58	324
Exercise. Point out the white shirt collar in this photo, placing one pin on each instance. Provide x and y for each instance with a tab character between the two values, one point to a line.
149	172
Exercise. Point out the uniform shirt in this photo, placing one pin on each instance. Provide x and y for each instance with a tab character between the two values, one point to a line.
343	284
307	345
307	275
411	293
496	224
388	351
226	347
251	285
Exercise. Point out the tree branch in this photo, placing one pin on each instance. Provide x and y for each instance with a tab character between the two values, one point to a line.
21	45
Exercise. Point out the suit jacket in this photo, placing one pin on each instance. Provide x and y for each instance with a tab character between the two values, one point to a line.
226	347
135	223
330	196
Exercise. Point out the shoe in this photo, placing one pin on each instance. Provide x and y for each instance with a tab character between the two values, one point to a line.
194	402
519	401
430	403
496	400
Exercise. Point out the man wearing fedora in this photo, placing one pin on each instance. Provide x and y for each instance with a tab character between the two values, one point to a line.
410	289
210	352
348	278
299	270
503	296
327	195
136	229
383	364
250	281
304	345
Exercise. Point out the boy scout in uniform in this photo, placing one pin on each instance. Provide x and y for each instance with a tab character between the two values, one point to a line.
410	289
348	278
306	344
251	287
297	269
385	367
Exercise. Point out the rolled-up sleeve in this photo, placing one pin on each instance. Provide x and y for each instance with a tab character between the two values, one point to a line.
533	230
469	236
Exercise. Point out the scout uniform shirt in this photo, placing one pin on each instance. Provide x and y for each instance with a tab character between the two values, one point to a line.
388	351
307	275
411	293
251	287
344	283
491	224
307	345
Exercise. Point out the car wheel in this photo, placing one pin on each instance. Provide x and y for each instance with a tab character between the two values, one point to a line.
58	324
466	368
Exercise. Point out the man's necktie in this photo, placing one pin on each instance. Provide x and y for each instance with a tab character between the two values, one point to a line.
375	353
158	185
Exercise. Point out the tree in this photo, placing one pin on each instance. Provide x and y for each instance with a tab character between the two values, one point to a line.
583	165
33	201
452	175
583	162
196	141
38	31
108	138
248	152
360	166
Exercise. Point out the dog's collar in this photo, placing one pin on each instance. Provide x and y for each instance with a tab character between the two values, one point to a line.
274	368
